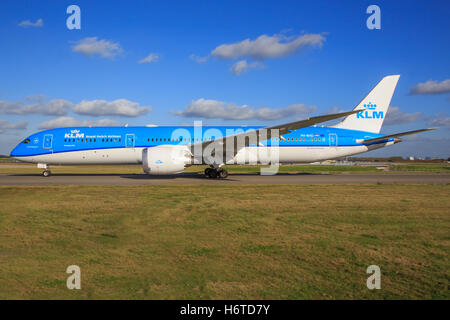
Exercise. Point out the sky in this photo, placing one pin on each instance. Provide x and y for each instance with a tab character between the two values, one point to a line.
222	62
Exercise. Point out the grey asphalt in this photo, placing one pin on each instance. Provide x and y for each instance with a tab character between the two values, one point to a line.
186	178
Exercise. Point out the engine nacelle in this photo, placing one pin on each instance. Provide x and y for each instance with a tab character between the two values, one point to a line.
166	159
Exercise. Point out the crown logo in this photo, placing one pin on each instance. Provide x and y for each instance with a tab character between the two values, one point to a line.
370	106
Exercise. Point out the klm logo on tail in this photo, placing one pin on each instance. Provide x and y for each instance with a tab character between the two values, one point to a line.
373	107
370	112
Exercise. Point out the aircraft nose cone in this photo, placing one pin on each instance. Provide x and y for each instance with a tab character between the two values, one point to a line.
13	152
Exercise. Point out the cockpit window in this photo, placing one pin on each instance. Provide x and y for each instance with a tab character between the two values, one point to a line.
26	141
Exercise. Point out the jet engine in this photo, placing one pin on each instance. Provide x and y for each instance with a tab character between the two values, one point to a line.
166	159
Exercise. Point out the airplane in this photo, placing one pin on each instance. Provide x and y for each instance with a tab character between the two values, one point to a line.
170	149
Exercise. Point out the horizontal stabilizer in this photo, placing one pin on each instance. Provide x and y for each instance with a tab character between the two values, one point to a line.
395	135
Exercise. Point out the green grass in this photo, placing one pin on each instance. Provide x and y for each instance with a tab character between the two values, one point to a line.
222	242
24	168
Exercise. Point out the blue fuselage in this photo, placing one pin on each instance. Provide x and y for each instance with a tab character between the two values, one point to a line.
124	145
90	138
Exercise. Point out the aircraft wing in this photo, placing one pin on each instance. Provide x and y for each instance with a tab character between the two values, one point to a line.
288	127
228	144
395	135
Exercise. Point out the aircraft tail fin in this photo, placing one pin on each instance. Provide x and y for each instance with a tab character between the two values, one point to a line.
373	107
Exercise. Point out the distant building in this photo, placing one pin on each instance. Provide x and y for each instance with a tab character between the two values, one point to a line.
412	158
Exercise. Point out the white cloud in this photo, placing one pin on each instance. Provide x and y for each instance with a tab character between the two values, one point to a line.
28	23
396	116
33	105
60	107
265	47
119	107
5	125
106	123
440	120
91	46
62	122
242	67
431	87
152	57
213	109
336	109
59	123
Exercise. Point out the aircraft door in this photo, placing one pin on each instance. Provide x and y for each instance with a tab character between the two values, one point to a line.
332	137
130	140
48	140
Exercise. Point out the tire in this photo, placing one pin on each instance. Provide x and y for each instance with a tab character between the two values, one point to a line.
46	173
223	174
207	171
213	174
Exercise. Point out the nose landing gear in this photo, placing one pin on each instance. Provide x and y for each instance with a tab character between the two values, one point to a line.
213	173
46	173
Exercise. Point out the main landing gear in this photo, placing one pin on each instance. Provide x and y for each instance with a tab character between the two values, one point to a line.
213	173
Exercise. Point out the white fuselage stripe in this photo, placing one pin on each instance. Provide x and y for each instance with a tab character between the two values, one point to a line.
249	154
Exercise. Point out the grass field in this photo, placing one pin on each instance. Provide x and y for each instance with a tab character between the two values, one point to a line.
203	242
24	168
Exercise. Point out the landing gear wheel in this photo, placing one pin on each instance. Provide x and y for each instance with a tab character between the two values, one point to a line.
46	173
216	173
212	173
223	173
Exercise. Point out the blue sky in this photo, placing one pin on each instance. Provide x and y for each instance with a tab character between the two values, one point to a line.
51	75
